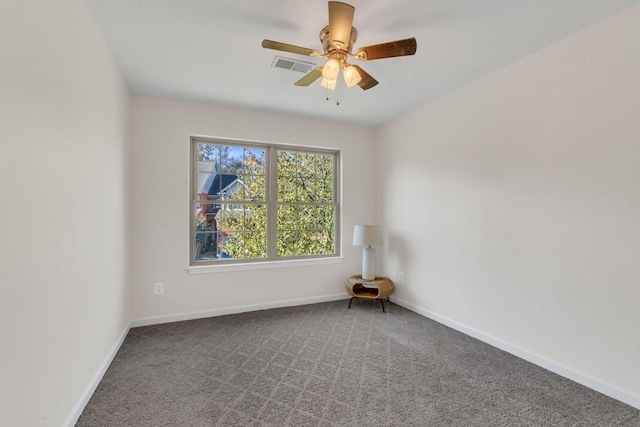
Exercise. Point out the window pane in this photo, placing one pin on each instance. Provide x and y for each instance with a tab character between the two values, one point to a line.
325	243
244	245
325	217
230	159
207	153
306	244
287	243
253	175
287	174
242	230
305	230
324	178
255	217
230	172
253	188
287	165
287	217
304	177
253	161
205	235
255	245
307	218
304	180
205	247
204	182
286	189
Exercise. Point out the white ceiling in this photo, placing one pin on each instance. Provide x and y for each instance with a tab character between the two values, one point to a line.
210	50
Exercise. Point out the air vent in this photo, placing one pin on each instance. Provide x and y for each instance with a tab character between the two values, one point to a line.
292	64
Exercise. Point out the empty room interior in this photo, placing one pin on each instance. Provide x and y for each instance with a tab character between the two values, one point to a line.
494	145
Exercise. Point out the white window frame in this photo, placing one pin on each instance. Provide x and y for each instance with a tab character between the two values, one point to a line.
271	203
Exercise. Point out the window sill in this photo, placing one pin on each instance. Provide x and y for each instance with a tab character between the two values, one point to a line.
205	269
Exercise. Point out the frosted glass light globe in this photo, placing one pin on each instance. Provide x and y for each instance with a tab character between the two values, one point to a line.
351	76
331	69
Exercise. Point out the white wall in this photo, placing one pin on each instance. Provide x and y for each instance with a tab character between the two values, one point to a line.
160	208
520	204
64	112
510	206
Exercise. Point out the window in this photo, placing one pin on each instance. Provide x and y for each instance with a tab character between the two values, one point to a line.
255	202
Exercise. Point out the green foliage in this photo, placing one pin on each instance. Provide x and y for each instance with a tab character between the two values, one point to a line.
200	235
305	177
305	220
246	231
305	224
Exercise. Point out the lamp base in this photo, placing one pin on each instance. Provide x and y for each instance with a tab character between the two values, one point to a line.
368	263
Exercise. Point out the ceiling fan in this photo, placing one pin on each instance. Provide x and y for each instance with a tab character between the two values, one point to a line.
337	41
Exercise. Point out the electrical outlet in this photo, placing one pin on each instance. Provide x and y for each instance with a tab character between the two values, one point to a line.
401	277
158	288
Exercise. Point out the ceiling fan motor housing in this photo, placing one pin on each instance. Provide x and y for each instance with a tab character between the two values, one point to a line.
326	41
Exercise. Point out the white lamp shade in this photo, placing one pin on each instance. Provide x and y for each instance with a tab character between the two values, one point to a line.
331	69
367	235
351	75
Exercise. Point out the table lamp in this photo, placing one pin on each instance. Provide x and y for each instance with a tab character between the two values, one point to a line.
368	236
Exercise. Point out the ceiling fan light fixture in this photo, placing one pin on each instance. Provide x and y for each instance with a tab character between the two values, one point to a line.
329	84
351	76
338	39
331	69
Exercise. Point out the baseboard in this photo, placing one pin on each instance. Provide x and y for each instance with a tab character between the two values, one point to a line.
73	417
586	380
558	368
156	320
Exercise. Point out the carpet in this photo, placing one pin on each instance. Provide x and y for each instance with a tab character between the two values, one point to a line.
325	365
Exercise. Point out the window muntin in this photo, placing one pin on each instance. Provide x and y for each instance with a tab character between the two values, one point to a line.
261	203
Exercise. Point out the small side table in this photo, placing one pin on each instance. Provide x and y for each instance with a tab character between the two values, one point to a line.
378	289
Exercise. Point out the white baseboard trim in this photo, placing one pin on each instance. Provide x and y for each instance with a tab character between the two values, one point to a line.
73	417
586	380
156	320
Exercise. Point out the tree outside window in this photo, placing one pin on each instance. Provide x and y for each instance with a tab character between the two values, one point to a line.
262	202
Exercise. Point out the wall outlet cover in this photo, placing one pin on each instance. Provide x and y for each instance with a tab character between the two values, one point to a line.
158	288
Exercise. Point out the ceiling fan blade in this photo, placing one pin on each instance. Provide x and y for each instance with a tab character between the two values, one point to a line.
310	77
366	81
340	22
387	50
270	44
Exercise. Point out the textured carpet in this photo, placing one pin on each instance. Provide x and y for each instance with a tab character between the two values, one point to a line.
324	365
